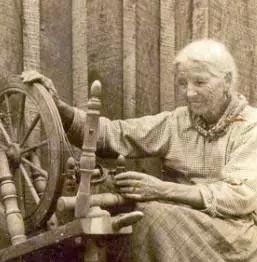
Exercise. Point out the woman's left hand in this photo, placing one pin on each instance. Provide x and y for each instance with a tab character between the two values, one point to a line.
139	186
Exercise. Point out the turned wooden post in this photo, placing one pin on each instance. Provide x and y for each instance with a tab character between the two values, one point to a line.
88	158
14	218
91	251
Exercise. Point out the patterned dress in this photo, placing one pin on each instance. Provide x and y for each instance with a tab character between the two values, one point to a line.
224	168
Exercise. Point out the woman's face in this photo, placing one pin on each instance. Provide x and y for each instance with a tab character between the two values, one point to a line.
204	91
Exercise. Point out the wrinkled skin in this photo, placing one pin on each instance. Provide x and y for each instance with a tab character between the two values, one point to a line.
139	186
205	91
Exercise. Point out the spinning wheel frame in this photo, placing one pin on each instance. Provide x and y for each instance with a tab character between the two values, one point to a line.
17	150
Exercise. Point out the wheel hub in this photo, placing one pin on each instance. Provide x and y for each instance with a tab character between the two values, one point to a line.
14	154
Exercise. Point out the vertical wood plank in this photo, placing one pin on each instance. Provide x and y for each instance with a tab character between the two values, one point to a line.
79	53
230	22
129	58
11	37
105	52
183	22
200	19
183	35
148	55
55	41
252	16
148	69
31	35
167	54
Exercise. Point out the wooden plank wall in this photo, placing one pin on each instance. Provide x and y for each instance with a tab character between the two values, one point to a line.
183	35
167	54
55	44
234	22
10	38
105	52
130	46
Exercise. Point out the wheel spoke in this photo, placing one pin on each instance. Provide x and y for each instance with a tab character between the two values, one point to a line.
37	168
21	117
32	125
34	147
5	134
9	115
29	184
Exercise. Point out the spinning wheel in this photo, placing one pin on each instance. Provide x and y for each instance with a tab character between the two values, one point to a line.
32	137
32	143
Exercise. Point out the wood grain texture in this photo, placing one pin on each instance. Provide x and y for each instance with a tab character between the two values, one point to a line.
148	69
129	58
183	35
167	54
252	16
105	52
183	20
200	19
13	214
31	35
147	57
11	37
79	227
231	22
79	53
55	41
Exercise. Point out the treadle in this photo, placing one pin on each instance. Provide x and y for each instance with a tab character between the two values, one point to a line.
86	227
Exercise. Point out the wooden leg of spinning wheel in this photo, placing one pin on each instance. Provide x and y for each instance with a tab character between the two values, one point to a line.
91	252
14	218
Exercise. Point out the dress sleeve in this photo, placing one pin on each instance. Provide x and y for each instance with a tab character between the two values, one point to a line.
139	137
75	132
236	194
133	138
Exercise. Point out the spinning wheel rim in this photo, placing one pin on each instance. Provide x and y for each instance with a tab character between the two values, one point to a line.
49	116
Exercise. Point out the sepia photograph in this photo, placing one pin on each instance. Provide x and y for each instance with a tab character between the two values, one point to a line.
128	130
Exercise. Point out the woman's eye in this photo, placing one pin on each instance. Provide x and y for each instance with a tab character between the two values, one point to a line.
200	83
182	83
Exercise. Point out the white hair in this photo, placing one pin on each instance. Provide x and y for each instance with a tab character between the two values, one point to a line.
213	54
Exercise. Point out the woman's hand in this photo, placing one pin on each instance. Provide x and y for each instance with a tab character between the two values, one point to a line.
32	76
66	111
138	186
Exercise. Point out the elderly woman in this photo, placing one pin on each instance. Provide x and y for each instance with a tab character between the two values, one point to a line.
209	147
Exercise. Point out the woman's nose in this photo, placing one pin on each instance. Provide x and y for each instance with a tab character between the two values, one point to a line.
191	91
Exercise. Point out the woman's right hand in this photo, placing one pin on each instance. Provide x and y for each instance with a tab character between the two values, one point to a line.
32	76
66	111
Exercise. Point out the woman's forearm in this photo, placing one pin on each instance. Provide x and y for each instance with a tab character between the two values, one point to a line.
66	113
185	194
